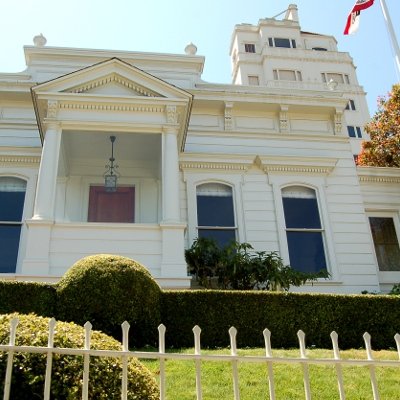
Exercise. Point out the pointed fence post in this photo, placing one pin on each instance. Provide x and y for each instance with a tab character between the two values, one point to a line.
374	383
7	384
197	351
268	354
86	361
338	367
125	347
232	336
306	375
161	350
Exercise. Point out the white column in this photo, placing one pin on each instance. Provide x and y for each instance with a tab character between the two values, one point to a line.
170	177
47	179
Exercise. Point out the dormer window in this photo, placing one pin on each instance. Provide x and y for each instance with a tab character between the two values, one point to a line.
249	47
282	42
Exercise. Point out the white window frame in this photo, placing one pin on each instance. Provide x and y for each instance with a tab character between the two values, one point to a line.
317	183
280	47
250	46
196	179
253	80
385	277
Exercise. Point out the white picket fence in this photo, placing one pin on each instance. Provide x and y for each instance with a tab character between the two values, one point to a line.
197	357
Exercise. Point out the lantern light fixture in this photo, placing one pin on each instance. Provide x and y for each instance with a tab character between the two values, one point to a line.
111	175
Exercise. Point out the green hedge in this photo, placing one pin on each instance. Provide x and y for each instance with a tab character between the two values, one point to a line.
27	297
283	314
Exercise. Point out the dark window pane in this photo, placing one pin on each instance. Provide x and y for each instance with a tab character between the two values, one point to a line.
11	206
386	243
351	131
358	129
9	243
222	237
301	213
280	42
306	251
270	42
215	211
293	43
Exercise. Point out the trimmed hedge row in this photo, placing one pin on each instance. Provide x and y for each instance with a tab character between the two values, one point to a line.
107	289
28	297
283	314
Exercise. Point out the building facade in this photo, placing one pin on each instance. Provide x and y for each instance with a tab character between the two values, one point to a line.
268	160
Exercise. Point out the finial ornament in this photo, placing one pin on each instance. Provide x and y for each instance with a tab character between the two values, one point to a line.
39	40
191	49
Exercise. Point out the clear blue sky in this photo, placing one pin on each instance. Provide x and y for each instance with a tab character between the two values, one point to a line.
167	26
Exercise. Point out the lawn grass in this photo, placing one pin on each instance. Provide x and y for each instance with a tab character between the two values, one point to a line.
217	377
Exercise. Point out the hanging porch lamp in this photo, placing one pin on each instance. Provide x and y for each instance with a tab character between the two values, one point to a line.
111	176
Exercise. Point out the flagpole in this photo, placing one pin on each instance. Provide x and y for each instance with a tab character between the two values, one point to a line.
392	35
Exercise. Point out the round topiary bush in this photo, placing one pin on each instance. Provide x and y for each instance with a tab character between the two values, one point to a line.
108	290
28	374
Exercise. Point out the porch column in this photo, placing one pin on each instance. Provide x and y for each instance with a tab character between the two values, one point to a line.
170	177
46	185
173	265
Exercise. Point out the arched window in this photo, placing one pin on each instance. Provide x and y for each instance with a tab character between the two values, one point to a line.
12	198
215	213
303	229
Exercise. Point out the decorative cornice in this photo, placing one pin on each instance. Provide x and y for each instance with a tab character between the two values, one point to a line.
214	166
382	175
140	90
17	159
297	169
112	107
379	179
303	165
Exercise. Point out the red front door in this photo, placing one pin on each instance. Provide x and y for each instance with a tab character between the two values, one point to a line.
116	206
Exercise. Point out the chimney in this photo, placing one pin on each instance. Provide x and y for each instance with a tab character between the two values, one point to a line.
292	13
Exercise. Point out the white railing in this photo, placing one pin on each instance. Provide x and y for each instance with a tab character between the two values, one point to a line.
233	358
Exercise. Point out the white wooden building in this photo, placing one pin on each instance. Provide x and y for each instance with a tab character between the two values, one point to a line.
268	159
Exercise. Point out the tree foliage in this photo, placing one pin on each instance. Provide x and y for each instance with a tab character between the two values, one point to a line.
237	266
383	150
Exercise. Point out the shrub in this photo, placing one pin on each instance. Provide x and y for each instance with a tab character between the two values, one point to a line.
237	266
67	371
27	297
107	290
283	314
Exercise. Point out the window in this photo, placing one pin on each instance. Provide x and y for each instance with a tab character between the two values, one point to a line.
215	213
339	78
320	49
303	229
287	75
354	131
253	80
12	198
282	42
386	243
116	206
351	105
249	47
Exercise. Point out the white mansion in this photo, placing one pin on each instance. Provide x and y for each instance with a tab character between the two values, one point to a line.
268	160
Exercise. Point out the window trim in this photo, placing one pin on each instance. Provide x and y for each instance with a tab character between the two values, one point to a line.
320	230
249	47
292	42
351	105
345	77
391	277
297	74
20	223
357	132
218	227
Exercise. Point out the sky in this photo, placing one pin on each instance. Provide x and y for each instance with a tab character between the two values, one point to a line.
168	26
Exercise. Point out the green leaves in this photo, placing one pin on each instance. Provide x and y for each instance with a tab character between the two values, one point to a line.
237	266
383	150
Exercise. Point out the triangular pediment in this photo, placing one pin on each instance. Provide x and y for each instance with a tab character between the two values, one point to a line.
112	77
